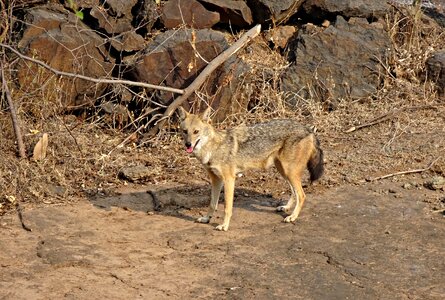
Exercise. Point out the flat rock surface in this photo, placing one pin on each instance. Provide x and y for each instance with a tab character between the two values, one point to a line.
356	242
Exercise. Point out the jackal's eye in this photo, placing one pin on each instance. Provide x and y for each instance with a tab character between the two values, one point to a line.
196	131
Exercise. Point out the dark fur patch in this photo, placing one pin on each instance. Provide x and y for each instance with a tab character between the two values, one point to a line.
315	165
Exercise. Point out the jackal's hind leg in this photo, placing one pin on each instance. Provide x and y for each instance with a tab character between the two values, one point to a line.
290	203
297	191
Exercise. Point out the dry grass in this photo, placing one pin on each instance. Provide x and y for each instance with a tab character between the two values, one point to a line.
83	158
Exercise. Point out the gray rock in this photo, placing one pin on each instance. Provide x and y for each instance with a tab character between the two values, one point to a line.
435	183
347	8
135	173
340	62
436	70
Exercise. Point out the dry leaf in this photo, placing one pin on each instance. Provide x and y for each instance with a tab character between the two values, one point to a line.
39	152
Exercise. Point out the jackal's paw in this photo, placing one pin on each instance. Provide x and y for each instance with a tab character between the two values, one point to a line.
289	219
283	208
205	219
222	227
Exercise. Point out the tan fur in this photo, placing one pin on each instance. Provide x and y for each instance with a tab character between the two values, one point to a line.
289	146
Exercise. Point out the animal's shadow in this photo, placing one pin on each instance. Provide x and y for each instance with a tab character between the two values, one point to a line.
178	200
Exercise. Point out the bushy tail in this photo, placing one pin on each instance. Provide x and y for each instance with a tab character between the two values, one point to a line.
315	163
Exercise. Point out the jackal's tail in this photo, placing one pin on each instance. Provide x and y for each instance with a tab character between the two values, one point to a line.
315	163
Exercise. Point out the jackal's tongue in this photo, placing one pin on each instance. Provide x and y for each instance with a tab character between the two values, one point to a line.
189	149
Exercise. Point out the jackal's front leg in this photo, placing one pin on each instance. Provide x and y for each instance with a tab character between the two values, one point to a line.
217	184
229	187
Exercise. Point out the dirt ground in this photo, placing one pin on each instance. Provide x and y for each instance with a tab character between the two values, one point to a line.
356	238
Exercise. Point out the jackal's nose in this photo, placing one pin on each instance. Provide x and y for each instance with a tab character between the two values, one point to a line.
188	144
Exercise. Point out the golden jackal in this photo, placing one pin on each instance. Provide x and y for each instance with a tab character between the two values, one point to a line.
290	146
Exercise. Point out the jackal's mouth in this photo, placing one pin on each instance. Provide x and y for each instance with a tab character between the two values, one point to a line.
191	148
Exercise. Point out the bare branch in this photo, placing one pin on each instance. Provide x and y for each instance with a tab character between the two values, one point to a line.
96	80
15	122
387	116
405	172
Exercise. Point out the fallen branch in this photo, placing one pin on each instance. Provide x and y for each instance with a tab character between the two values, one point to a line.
405	172
199	80
388	116
15	121
95	80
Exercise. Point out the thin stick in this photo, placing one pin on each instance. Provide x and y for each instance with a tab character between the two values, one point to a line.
405	172
70	133
96	80
199	80
387	116
19	212
15	121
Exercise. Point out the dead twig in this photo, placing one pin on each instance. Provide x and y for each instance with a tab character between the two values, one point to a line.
199	80
15	121
19	212
95	80
387	116
405	172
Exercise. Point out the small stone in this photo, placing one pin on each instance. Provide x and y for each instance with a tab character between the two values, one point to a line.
281	35
407	186
326	23
135	173
435	183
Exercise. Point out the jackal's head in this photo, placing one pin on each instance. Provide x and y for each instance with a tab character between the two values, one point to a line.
196	129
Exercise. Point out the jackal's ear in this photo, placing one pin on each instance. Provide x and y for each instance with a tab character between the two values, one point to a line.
182	113
206	114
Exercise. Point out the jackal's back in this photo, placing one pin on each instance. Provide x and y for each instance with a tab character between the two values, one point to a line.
267	136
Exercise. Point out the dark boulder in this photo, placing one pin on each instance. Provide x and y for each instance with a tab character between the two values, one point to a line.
128	41
273	11
346	8
342	61
280	35
61	40
112	15
191	13
235	13
435	65
175	58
